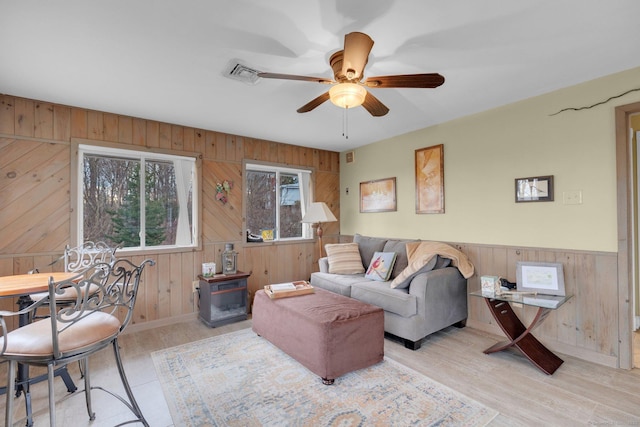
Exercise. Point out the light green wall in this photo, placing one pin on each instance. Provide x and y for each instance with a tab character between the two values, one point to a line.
484	154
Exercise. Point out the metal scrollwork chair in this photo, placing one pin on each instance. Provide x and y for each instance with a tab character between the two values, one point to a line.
78	259
87	254
93	321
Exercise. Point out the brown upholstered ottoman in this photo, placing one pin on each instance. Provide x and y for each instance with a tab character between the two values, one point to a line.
327	333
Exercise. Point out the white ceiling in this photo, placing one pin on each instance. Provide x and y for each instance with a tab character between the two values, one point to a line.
164	59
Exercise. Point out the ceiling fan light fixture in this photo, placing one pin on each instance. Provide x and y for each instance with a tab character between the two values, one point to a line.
347	95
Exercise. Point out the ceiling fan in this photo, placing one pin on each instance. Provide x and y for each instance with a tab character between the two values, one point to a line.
348	89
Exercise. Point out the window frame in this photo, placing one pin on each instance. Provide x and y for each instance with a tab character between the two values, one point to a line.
306	196
81	146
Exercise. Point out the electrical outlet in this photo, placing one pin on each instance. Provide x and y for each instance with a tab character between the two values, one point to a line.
194	286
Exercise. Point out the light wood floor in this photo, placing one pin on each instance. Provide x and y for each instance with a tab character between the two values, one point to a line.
579	393
636	348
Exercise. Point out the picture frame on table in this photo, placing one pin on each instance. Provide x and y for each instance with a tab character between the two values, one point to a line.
429	172
546	278
534	189
378	195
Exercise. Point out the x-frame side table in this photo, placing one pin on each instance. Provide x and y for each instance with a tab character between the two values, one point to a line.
519	335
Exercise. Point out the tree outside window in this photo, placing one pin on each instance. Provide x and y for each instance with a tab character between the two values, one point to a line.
136	202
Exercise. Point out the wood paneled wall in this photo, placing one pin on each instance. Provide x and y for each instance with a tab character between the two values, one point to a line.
35	213
585	327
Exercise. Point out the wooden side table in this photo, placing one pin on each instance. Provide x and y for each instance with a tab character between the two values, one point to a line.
520	336
223	298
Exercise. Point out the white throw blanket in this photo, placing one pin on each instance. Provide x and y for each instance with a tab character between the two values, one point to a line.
422	252
419	255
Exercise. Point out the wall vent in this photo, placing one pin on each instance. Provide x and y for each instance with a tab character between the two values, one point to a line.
350	157
237	71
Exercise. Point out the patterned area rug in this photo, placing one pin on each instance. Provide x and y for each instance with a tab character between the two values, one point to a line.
240	379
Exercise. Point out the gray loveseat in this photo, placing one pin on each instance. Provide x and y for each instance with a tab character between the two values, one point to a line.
431	298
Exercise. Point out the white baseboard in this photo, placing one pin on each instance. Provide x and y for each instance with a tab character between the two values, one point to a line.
636	323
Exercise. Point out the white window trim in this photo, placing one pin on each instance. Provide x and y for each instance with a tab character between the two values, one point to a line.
131	153
306	194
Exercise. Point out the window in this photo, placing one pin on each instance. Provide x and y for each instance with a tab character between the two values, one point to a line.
136	200
277	198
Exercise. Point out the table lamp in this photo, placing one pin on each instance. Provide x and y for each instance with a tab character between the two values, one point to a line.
318	213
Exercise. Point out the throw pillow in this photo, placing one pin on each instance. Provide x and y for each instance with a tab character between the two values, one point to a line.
400	248
368	245
413	269
344	258
381	266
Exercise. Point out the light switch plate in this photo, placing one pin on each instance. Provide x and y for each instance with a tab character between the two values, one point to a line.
572	197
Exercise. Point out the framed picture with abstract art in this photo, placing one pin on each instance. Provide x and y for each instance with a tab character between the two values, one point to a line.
378	195
534	189
430	179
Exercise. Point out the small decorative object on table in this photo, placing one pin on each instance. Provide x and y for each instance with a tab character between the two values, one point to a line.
267	235
545	278
289	289
490	284
208	269
229	259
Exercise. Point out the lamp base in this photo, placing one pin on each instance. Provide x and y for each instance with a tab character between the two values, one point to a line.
319	234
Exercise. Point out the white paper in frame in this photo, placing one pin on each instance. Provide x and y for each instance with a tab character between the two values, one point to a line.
546	278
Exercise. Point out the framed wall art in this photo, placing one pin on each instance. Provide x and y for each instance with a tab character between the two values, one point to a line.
534	189
545	278
430	179
378	195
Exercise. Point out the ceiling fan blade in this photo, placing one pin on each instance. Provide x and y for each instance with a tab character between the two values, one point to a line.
356	54
374	106
406	80
314	103
294	77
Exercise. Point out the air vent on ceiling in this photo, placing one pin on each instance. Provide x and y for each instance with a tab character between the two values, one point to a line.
238	71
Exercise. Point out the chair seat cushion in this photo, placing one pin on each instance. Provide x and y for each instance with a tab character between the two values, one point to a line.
35	340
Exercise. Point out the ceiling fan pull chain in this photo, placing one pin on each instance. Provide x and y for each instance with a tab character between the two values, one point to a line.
345	123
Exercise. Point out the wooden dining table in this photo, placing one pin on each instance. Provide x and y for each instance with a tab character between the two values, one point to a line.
22	286
26	284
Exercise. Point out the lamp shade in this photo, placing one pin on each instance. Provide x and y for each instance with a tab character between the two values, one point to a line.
318	212
347	95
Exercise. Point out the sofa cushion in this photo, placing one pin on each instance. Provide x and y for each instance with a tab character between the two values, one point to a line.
338	283
368	246
400	248
397	301
413	269
442	263
344	258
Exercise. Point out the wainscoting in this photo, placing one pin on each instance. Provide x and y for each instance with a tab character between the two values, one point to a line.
586	326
